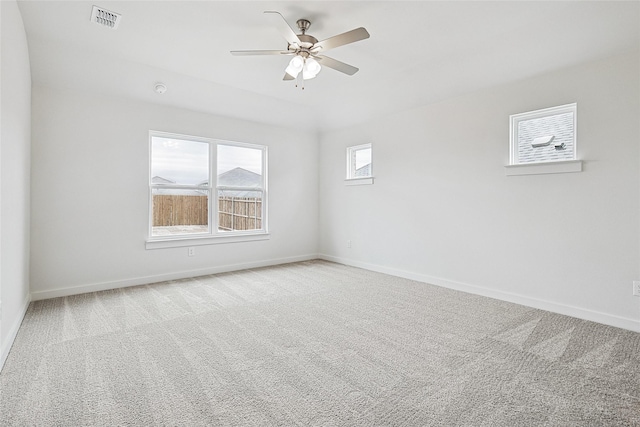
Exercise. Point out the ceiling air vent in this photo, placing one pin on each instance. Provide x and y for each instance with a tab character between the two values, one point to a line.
105	18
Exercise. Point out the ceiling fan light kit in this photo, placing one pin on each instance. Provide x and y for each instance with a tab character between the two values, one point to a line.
309	67
305	49
295	66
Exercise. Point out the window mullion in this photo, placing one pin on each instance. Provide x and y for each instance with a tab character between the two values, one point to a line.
213	190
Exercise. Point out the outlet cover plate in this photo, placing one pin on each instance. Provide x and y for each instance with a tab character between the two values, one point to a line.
636	288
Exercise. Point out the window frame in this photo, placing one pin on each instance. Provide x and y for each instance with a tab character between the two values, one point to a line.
351	178
213	235
515	119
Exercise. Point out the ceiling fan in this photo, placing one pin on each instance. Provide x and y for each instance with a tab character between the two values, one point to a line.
307	50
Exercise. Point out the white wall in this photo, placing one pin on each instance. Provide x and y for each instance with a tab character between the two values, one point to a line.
15	124
442	210
90	194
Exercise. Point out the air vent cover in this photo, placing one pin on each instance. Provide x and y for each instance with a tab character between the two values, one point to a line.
105	17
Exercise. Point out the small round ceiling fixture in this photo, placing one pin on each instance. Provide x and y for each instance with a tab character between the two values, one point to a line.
160	88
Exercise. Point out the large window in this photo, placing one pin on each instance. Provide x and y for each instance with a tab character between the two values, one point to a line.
203	188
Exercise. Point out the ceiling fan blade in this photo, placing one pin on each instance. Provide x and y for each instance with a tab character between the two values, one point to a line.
341	39
260	52
288	76
336	65
284	28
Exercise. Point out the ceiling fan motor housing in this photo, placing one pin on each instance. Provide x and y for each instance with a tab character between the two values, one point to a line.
306	43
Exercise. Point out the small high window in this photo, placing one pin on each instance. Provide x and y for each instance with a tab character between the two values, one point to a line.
541	136
359	162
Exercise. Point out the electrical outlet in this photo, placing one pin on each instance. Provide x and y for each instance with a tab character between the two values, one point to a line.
348	243
191	252
636	288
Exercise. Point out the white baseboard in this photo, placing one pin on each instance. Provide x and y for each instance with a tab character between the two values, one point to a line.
13	332
103	286
580	313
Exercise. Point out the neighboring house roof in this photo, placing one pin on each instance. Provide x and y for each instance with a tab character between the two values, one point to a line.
160	180
240	177
364	170
173	191
560	126
237	177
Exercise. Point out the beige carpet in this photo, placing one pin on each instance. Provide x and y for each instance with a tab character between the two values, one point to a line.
313	344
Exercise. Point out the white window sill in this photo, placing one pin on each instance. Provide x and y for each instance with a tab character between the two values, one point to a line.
567	166
184	241
359	181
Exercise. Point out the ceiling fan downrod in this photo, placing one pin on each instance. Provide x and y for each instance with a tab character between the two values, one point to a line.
303	25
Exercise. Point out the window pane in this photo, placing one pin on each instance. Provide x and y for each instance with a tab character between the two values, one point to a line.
234	163
557	128
363	162
359	161
178	212
239	210
178	161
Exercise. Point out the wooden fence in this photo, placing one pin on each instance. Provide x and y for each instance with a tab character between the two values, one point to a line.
234	213
239	213
171	210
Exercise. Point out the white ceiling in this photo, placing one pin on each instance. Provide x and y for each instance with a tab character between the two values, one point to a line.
419	52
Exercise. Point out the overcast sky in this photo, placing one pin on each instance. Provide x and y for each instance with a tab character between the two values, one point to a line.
187	162
363	158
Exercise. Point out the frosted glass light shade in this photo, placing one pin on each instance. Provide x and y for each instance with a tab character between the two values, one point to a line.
295	66
311	69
